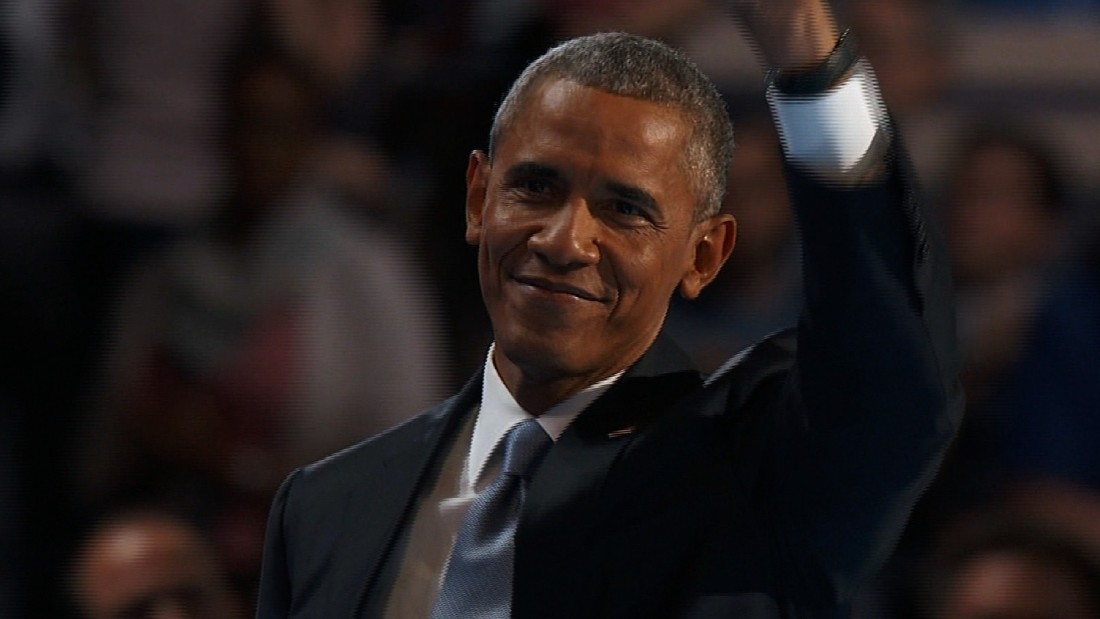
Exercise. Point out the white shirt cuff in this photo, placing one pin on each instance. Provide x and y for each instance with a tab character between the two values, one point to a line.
833	130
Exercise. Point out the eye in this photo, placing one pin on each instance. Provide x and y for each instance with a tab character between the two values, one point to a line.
535	186
629	209
534	189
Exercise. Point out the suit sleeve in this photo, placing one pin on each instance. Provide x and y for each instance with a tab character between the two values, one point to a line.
274	595
873	400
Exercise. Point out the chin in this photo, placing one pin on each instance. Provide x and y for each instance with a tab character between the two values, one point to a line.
545	355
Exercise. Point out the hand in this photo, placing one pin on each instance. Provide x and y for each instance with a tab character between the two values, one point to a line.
790	35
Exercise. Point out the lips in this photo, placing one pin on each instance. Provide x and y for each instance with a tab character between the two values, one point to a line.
561	287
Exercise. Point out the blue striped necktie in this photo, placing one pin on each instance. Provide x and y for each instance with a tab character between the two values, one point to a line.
479	575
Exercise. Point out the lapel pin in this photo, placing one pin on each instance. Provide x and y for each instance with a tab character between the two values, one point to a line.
621	432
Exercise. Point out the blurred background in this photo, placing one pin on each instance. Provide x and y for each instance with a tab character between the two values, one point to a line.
231	243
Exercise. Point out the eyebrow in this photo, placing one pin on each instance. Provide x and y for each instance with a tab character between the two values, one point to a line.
529	169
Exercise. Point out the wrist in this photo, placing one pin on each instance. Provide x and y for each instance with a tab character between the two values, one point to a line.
828	73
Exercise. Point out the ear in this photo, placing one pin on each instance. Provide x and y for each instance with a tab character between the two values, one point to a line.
713	244
477	187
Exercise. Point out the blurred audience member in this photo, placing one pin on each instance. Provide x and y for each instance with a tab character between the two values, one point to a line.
154	161
337	39
1051	400
907	43
290	327
339	42
1012	568
915	50
150	565
759	290
152	170
1004	207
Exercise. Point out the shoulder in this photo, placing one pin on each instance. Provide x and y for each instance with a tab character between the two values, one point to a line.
370	462
753	368
387	459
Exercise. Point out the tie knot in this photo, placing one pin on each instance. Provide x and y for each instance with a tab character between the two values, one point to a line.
524	446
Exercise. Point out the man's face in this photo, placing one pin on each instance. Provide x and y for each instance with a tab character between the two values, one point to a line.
585	227
150	567
1007	585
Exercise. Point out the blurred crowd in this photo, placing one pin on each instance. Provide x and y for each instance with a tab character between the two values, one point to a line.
231	242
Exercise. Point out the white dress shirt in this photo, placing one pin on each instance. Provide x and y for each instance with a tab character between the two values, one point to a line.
500	412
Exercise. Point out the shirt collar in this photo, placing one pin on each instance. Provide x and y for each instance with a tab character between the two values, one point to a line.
500	412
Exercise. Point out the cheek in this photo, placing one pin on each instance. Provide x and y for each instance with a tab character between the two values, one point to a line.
646	278
502	243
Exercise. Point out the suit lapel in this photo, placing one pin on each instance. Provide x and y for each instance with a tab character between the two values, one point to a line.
564	498
409	468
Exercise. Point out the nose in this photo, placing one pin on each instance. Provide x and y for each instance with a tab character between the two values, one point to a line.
569	237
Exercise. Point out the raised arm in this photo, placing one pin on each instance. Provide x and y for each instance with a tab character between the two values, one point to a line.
872	400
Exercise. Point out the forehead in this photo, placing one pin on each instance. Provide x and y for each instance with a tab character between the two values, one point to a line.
589	123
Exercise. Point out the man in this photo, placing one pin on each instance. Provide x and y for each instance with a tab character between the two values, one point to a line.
1011	565
149	563
769	490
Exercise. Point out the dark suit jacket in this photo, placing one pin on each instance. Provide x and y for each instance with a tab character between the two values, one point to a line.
770	490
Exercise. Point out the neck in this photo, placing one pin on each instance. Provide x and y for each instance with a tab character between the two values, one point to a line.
539	392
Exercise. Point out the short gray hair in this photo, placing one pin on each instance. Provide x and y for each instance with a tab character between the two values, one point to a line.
634	66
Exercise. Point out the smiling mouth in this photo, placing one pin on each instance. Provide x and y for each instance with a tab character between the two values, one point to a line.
559	288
